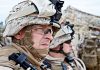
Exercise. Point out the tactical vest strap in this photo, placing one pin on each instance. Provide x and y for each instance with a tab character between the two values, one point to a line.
46	64
21	58
64	67
29	55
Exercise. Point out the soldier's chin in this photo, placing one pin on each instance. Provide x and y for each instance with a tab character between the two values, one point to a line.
44	46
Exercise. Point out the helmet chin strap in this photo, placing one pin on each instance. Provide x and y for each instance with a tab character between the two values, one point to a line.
59	51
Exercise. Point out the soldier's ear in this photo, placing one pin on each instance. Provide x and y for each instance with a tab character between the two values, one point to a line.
20	35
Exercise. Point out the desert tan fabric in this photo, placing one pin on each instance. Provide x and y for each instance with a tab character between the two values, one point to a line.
24	14
45	7
5	68
89	54
56	63
24	8
61	36
4	53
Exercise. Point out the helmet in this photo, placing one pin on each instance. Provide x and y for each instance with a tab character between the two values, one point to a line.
64	34
29	13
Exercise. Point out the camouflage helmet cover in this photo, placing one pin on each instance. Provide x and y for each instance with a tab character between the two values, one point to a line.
63	35
25	13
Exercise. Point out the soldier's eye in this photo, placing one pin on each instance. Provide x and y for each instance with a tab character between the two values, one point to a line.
48	31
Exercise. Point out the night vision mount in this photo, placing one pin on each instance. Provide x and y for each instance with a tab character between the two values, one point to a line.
58	5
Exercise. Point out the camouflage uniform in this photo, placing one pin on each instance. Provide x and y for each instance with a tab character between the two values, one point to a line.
65	34
24	14
90	52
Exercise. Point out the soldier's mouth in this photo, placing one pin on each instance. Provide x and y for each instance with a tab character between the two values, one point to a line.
46	44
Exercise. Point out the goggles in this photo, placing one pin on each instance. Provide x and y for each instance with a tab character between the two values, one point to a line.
43	31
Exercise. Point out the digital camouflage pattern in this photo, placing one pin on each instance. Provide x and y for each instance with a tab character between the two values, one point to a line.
24	14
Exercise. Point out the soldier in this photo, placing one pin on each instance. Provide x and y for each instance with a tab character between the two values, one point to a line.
90	49
31	29
89	54
58	57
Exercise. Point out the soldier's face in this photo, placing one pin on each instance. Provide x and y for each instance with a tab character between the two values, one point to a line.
67	47
41	36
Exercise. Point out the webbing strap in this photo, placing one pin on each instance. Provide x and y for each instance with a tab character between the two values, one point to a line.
64	67
29	55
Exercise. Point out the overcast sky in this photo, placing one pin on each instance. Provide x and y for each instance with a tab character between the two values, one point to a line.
89	6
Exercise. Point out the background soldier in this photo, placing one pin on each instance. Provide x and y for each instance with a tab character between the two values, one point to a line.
90	53
90	49
29	26
60	48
